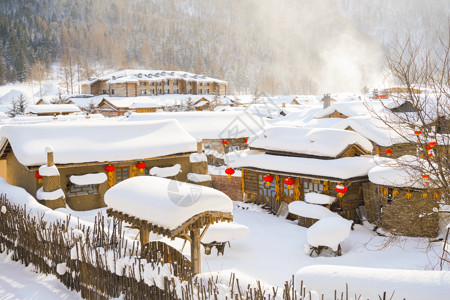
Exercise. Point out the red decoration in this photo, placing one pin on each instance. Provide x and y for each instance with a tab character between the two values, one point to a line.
426	176
38	177
427	147
110	168
341	189
246	140
432	144
382	96
141	166
268	179
389	151
289	182
430	154
229	172
418	132
225	143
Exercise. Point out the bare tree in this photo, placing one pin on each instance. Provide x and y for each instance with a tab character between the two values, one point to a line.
420	109
39	73
60	99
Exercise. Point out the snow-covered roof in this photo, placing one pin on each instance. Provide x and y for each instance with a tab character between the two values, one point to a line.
29	119
145	105
209	124
340	169
163	202
52	108
308	141
372	129
130	75
351	108
405	171
97	141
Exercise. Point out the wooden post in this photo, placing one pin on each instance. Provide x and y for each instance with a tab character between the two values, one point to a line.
143	234
199	146
195	251
50	160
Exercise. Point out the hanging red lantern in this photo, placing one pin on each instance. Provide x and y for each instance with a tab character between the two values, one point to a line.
38	177
418	132
268	179
389	151
110	168
427	147
225	143
426	176
229	172
289	182
341	189
141	166
430	154
432	144
246	140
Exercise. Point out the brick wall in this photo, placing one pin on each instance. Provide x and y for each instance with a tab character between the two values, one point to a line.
230	186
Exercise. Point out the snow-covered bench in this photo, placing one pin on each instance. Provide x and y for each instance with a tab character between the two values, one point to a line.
219	234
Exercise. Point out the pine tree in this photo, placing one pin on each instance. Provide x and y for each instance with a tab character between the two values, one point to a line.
60	99
18	106
216	101
21	66
2	66
189	105
91	108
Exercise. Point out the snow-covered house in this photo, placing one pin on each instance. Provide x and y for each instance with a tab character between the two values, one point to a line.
285	163
133	83
113	108
401	199
90	157
52	109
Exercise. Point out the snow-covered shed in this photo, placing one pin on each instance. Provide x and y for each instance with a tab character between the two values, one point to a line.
119	150
283	164
170	208
118	106
349	109
402	197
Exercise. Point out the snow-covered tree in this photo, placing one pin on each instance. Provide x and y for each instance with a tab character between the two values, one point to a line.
91	108
188	105
60	99
18	106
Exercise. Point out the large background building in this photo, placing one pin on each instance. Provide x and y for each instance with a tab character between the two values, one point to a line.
129	83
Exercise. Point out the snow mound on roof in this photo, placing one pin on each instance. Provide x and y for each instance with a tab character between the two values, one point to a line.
12	95
406	171
52	108
329	232
351	108
165	171
48	89
209	124
97	141
341	168
316	198
370	283
318	141
163	202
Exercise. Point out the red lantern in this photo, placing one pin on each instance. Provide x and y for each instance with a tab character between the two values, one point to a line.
341	189
38	177
268	179
426	176
141	166
289	182
225	143
432	144
229	172
430	154
389	151
418	132
110	168
246	140
427	147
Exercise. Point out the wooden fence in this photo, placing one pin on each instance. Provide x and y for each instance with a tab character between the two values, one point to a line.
100	263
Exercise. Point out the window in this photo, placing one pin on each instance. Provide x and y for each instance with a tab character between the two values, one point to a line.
175	82
122	174
143	92
189	83
112	91
208	147
190	91
175	91
207	84
200	84
159	91
166	82
233	148
152	83
153	91
159	83
82	190
142	83
265	190
104	92
312	186
200	91
206	91
166	91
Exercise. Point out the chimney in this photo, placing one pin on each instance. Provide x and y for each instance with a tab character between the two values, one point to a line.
283	104
326	100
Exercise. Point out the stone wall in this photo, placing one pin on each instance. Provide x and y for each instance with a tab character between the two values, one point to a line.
230	186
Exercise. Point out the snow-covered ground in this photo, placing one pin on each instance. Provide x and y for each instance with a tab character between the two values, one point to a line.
20	282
